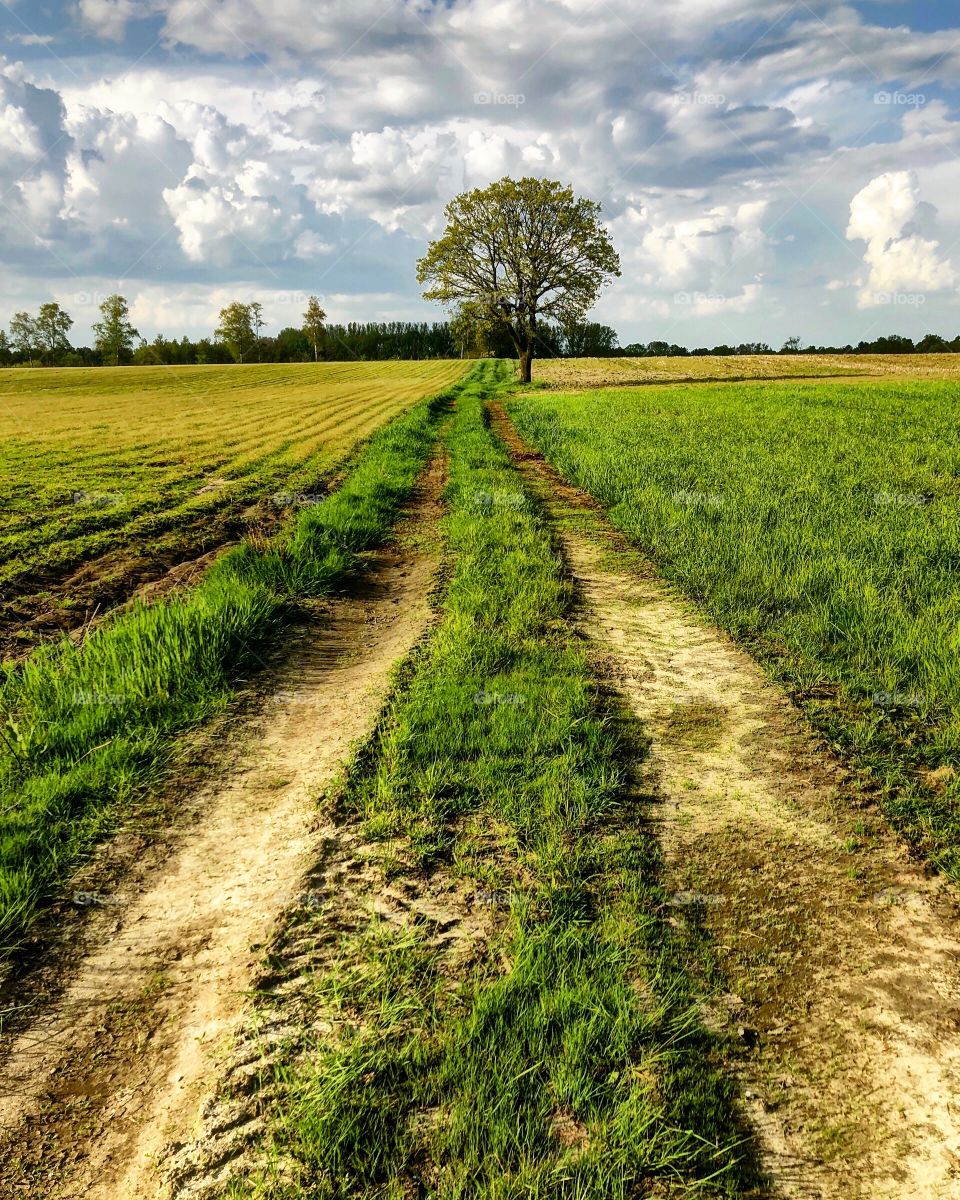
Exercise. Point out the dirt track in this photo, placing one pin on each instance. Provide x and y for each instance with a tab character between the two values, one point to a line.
838	957
834	961
103	1081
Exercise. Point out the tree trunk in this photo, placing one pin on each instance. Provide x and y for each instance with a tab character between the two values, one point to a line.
526	365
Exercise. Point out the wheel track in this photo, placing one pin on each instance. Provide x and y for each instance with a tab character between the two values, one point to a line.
107	1080
841	956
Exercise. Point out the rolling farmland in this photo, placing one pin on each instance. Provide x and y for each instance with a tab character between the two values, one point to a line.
544	878
112	477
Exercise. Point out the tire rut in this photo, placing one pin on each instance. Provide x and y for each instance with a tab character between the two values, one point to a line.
105	1081
839	956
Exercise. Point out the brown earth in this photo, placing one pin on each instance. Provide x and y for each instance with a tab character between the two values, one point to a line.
103	1078
836	958
74	598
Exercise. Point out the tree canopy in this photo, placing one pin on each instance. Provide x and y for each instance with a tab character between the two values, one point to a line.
518	252
113	332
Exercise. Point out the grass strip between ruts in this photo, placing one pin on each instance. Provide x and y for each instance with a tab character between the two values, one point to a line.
565	1059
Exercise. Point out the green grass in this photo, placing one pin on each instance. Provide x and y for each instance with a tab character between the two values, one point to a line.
564	1060
819	523
85	727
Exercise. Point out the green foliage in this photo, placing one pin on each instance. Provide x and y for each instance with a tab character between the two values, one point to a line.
517	252
820	523
313	329
236	329
113	332
52	327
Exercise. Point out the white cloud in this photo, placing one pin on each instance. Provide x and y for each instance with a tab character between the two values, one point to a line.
901	261
723	137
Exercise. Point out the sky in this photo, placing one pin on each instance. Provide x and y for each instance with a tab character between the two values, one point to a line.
766	168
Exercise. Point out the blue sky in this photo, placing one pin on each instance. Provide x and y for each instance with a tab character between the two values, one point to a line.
767	168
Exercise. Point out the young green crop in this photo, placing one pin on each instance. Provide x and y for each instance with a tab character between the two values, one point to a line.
819	522
162	463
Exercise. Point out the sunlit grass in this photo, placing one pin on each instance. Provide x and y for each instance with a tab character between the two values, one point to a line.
820	523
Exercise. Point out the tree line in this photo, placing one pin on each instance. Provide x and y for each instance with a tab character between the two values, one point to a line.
42	339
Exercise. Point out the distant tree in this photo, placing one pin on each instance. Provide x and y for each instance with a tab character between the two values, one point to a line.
213	352
313	325
292	345
6	350
148	354
933	343
791	346
113	332
52	325
235	330
256	323
24	335
517	252
587	339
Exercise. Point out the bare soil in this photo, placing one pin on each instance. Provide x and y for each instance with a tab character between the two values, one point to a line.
835	957
74	598
105	1078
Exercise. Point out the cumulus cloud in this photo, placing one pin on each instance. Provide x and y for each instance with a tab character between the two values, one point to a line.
316	149
900	259
109	18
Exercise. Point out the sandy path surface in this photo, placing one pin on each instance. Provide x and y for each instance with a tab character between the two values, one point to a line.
839	958
103	1081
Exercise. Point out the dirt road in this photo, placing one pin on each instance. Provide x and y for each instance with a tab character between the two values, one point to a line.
115	1070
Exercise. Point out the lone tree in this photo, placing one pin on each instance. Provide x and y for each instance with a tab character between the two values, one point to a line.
113	332
236	329
515	252
313	325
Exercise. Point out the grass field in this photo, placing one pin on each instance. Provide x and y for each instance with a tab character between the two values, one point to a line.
572	373
126	472
818	522
85	726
